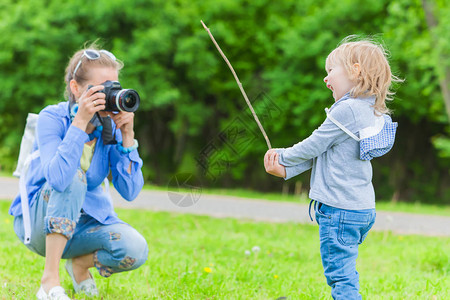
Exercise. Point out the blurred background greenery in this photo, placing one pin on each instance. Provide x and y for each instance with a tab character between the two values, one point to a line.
190	99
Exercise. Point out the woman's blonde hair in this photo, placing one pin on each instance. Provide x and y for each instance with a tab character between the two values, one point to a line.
374	77
81	75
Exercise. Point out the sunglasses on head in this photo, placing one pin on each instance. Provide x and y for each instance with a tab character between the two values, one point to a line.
92	54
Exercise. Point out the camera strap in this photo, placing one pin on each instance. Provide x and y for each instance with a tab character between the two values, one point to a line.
109	138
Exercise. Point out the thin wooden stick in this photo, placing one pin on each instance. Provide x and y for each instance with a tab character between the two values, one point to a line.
240	86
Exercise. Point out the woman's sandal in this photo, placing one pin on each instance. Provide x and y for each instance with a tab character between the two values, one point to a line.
86	286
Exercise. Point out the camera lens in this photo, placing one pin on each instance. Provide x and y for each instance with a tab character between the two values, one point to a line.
127	100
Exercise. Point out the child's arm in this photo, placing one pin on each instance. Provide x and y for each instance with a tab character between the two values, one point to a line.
298	169
273	167
322	139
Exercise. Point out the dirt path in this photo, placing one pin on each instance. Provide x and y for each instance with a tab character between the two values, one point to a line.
253	209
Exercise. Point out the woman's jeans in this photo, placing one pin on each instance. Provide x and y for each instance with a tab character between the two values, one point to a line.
341	231
116	248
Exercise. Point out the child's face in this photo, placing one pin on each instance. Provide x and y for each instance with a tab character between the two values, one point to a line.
338	80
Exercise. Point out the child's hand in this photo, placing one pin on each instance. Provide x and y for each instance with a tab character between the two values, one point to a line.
271	164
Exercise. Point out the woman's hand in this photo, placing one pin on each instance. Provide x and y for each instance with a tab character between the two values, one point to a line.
125	122
271	164
89	103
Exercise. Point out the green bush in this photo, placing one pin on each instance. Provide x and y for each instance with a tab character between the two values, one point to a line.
189	96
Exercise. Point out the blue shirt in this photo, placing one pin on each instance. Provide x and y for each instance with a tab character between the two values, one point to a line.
61	146
339	178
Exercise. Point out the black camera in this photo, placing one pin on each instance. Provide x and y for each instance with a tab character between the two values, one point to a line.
118	99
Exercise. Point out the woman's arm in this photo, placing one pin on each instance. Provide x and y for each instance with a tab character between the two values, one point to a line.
126	167
60	151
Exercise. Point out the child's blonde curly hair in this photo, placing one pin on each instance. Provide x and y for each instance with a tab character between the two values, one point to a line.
373	77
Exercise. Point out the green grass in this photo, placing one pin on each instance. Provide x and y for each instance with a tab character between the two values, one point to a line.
288	263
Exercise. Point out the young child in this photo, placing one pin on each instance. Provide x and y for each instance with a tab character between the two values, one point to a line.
357	128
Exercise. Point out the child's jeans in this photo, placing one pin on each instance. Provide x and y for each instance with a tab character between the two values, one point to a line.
341	231
116	247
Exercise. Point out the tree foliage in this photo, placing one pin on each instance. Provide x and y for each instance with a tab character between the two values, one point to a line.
190	98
